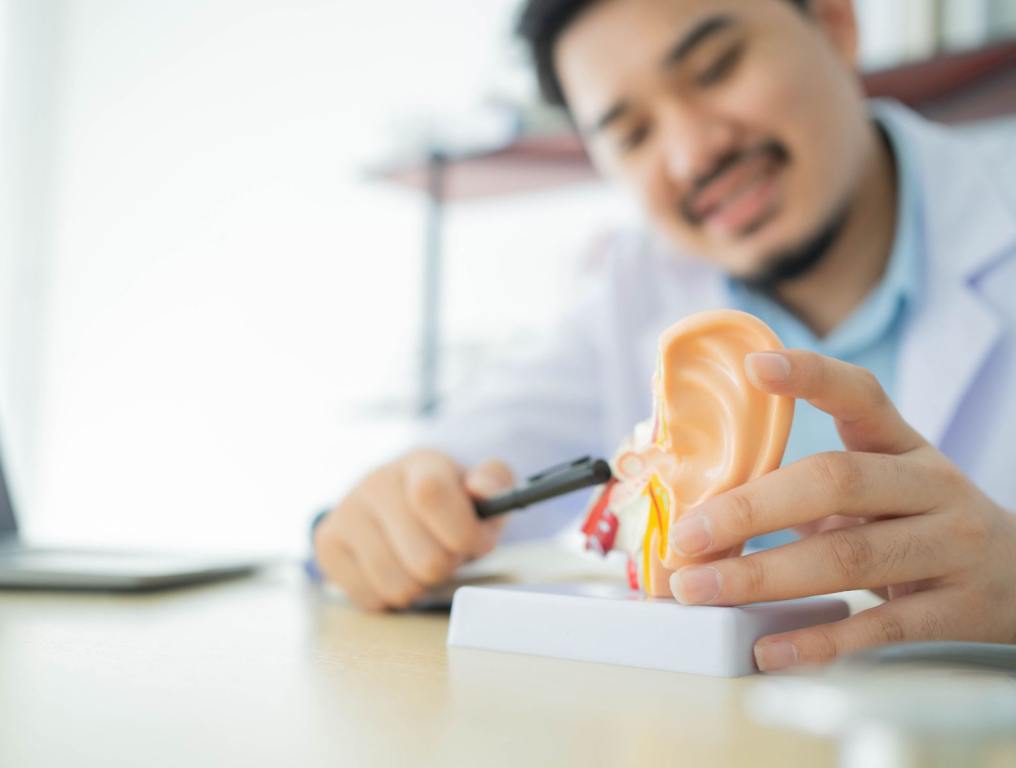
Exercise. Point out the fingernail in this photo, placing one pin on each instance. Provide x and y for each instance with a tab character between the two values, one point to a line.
485	485
691	535
696	584
767	367
779	654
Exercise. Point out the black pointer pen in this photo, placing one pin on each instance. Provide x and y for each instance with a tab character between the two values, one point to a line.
549	484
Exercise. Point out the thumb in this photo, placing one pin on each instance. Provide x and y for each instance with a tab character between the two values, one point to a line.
489	478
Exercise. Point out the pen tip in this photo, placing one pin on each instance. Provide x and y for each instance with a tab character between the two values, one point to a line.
601	471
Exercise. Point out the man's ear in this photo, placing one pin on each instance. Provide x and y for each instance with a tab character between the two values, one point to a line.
838	21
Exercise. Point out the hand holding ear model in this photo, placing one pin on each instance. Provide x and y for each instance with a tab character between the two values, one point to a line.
890	513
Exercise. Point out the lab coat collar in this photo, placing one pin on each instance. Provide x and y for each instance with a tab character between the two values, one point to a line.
970	226
969	219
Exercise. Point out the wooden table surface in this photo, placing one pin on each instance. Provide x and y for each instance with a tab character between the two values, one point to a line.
271	671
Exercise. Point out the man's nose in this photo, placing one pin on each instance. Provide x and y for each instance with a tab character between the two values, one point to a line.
693	142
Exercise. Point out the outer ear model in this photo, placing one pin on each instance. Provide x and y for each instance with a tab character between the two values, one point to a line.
711	431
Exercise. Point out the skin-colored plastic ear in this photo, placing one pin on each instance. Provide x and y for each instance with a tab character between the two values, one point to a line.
712	429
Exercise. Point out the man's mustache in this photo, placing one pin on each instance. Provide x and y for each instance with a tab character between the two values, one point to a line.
689	207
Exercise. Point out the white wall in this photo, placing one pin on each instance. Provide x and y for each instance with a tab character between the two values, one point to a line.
227	291
31	46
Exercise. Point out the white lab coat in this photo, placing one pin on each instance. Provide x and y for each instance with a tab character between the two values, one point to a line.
587	383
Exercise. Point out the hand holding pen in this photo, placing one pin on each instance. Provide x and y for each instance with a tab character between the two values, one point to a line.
408	525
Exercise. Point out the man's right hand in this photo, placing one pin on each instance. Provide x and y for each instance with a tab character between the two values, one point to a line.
406	527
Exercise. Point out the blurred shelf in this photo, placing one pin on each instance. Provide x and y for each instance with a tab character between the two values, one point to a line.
529	163
955	87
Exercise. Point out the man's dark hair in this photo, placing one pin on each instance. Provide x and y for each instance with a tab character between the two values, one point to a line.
541	24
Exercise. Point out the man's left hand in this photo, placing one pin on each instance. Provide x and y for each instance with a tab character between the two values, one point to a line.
890	514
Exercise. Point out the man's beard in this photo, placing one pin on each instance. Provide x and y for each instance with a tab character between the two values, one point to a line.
782	266
798	261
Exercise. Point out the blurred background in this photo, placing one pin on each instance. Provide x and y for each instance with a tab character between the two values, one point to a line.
246	244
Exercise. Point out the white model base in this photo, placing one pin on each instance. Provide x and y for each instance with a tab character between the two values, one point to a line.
613	625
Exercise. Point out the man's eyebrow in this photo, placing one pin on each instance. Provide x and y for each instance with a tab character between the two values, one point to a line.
697	35
683	48
615	112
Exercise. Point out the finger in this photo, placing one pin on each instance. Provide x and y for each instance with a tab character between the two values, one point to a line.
343	571
375	558
487	479
437	497
338	566
820	486
865	416
422	555
930	615
861	557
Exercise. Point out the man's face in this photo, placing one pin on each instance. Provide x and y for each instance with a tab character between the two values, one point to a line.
739	123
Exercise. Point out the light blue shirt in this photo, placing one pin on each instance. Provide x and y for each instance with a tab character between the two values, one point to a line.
870	336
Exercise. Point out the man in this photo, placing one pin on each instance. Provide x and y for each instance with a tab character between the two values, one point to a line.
881	249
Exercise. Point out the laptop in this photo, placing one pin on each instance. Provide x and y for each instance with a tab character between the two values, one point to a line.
30	567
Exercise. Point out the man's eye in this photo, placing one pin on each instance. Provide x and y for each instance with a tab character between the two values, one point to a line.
721	67
634	137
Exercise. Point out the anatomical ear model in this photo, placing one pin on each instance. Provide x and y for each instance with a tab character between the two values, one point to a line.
711	430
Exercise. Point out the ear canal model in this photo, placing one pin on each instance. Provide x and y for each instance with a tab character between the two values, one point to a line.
712	429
